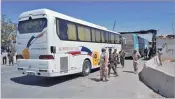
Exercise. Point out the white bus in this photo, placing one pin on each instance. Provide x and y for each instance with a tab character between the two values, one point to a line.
53	44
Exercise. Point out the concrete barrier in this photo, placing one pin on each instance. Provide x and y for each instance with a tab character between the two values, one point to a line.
161	82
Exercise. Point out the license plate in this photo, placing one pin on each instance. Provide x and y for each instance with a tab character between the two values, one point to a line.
31	73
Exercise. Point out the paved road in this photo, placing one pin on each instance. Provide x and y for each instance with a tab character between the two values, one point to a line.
126	85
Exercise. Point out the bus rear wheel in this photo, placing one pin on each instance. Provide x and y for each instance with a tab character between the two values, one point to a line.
86	68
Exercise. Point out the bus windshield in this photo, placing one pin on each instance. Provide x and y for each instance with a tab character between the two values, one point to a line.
32	26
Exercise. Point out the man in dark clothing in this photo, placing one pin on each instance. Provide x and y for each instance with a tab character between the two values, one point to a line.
122	57
10	57
145	52
150	53
112	58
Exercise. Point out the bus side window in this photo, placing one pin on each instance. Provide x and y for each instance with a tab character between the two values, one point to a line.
97	32
93	35
112	38
63	30
106	37
102	36
71	31
109	36
87	34
117	39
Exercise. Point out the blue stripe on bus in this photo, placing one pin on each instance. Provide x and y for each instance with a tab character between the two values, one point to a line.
136	45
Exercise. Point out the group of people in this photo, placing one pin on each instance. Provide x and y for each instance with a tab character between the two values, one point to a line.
108	62
7	55
148	53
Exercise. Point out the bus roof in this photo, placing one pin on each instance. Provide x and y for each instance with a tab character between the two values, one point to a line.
63	16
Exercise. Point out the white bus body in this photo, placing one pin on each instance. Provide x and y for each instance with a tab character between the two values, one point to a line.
72	52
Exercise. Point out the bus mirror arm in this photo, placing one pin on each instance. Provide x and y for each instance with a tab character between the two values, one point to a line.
53	49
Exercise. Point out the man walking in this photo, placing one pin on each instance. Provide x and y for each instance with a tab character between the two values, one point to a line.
136	57
112	59
122	58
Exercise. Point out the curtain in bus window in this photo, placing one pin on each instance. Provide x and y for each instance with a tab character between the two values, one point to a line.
57	28
106	37
81	33
63	30
87	34
117	39
112	38
71	31
109	37
102	36
97	32
93	35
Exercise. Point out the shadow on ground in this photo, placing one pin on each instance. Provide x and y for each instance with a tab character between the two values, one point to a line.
95	79
128	58
129	72
45	81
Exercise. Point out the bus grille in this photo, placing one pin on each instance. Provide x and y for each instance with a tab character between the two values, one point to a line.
64	64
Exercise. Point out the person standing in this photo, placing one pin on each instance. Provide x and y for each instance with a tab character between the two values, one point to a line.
4	57
145	52
159	56
136	57
112	60
103	64
150	53
10	57
122	58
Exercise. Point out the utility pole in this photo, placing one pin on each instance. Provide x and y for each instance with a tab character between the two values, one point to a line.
114	25
173	28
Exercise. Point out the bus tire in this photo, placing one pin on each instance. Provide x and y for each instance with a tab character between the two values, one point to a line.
86	68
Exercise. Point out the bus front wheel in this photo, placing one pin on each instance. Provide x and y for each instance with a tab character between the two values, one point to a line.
86	68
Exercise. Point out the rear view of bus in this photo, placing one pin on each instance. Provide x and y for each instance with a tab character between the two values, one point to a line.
131	43
34	56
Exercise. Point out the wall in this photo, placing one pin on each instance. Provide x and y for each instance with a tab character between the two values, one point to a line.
157	80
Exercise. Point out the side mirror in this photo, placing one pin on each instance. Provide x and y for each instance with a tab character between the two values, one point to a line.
53	49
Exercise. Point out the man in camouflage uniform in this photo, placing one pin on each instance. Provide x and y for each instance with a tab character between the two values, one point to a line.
112	59
122	57
10	57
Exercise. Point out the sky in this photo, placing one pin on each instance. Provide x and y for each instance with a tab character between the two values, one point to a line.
129	16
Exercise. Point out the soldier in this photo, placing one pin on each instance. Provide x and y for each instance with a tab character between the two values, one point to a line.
159	56
112	59
10	57
122	58
116	58
145	53
103	65
136	57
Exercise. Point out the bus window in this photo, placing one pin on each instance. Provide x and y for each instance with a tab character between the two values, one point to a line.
109	36
102	36
81	35
117	39
112	38
93	35
71	31
87	34
84	33
63	30
106	37
97	35
32	26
